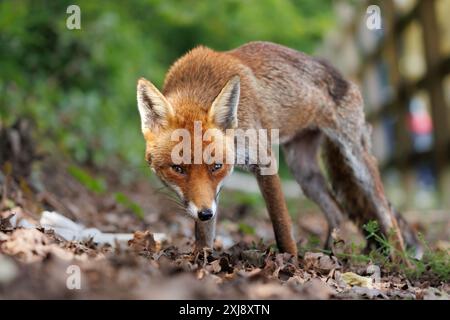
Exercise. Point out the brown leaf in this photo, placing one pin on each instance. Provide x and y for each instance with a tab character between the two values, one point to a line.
215	266
250	274
5	223
320	262
143	241
316	289
254	257
271	290
367	292
31	245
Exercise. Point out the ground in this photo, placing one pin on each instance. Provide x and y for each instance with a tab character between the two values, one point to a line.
245	264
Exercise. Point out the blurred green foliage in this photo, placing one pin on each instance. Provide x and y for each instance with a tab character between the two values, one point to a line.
246	229
124	200
97	185
79	85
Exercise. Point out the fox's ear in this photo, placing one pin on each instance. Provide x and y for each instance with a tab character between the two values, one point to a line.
223	111
154	109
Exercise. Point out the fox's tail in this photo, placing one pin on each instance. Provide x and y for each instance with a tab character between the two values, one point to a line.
345	187
349	195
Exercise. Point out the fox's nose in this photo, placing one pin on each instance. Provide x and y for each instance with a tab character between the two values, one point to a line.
205	214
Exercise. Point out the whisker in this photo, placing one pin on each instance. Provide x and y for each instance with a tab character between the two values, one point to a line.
218	192
169	194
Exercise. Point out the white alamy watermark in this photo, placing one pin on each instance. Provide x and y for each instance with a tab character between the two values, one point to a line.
373	20
236	147
73	21
73	281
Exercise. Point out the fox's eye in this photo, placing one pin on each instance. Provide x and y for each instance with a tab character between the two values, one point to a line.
216	166
177	169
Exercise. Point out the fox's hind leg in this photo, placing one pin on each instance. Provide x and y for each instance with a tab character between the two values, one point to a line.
302	158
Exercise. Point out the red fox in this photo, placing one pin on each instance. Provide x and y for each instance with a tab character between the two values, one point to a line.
268	86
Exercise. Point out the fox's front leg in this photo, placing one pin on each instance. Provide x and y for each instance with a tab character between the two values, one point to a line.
205	231
270	186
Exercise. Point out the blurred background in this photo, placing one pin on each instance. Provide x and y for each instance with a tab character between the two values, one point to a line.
404	73
78	86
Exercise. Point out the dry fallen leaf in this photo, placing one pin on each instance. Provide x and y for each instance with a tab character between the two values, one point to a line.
30	245
435	294
143	241
353	279
250	274
254	257
368	292
26	244
5	223
320	262
268	291
214	266
316	289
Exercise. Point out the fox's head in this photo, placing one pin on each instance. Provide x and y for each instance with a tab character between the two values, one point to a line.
177	127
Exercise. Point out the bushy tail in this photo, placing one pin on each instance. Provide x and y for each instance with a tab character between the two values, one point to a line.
343	182
351	198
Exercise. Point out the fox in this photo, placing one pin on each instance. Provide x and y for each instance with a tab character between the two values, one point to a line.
263	85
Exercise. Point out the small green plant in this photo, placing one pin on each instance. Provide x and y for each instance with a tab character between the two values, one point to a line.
373	233
433	262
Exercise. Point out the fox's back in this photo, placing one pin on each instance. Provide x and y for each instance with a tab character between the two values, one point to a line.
280	87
